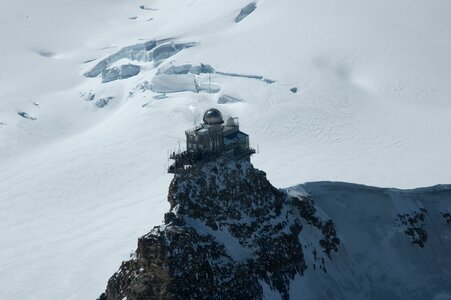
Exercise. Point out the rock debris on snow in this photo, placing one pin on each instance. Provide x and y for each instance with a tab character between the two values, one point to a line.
26	115
245	11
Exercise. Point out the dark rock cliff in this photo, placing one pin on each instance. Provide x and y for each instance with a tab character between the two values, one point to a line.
228	235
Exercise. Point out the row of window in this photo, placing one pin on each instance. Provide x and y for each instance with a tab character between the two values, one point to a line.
193	138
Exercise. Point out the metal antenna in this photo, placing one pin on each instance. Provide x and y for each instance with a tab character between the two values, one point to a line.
209	83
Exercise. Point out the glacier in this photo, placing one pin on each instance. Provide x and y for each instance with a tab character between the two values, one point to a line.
80	184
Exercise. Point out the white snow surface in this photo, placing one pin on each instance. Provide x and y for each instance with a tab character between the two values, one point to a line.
79	183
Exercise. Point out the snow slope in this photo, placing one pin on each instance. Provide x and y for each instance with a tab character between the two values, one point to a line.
82	176
376	259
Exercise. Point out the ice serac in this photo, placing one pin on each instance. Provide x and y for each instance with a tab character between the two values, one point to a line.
122	72
228	235
145	52
138	52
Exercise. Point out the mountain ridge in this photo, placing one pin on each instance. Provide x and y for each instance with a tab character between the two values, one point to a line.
230	229
230	234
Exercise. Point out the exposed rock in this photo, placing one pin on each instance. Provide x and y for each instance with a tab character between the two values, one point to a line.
330	241
88	96
102	102
413	224
26	115
245	11
227	231
147	8
447	217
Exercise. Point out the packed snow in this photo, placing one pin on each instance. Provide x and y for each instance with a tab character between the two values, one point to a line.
83	172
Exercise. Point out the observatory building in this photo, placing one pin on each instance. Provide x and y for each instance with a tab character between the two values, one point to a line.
212	139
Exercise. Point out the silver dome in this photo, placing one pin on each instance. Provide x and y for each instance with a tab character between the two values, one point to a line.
213	117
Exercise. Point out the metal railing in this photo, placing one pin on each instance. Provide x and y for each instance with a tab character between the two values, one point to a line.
185	158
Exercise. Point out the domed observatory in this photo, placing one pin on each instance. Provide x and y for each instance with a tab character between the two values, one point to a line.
212	139
213	117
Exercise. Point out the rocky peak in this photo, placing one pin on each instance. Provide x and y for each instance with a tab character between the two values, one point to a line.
229	234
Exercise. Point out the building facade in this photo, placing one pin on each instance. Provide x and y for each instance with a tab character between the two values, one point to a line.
212	139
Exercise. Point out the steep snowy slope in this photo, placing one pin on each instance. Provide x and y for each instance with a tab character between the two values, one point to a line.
82	162
231	235
394	243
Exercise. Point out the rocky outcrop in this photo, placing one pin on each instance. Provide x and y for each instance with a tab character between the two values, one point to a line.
228	235
413	224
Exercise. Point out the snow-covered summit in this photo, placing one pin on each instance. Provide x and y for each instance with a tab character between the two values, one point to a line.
231	234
